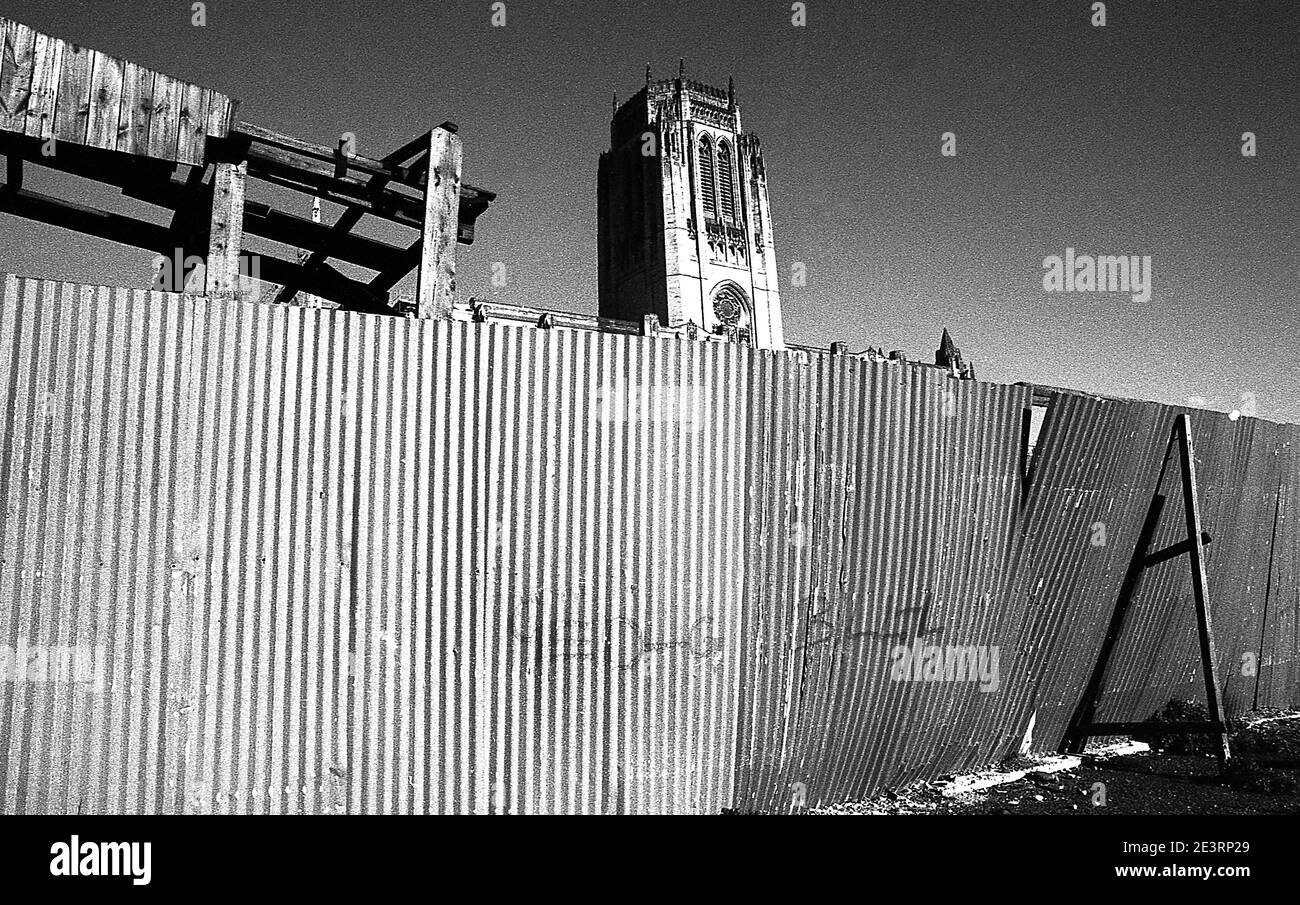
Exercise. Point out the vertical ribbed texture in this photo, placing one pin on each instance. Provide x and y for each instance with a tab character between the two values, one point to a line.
882	508
334	563
341	563
1095	469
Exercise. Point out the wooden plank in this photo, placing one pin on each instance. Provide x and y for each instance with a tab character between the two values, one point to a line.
137	107
437	275
193	125
1200	587
47	61
165	121
226	237
105	102
6	26
16	76
72	108
220	113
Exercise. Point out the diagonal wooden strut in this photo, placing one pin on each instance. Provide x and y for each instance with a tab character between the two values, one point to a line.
1083	724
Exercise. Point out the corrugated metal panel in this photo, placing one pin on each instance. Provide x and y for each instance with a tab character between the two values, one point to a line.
342	563
1095	471
1278	682
345	563
883	507
1159	655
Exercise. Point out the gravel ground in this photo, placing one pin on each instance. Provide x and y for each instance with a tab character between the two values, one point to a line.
1264	780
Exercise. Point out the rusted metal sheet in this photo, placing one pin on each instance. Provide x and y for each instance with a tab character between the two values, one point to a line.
344	563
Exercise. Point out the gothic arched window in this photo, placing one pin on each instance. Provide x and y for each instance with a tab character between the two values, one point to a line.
731	308
726	183
708	185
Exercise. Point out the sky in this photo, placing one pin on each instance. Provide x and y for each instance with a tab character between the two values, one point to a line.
1117	140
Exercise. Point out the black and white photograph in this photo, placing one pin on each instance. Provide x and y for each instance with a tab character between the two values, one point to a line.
681	408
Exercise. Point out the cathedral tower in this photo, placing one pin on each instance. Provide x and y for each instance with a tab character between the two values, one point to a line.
685	232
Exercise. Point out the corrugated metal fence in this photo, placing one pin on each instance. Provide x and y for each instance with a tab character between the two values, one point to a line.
1094	473
277	559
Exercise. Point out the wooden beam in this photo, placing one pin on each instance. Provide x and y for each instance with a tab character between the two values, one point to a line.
89	220
437	275
381	206
226	237
397	166
416	147
190	223
389	167
391	276
13	173
1175	550
290	229
269	223
1076	735
1081	724
1200	587
316	179
150	181
342	228
327	283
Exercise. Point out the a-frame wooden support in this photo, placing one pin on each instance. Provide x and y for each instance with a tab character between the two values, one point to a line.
1081	725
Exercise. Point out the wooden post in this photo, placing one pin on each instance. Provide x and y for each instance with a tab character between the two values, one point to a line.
1081	724
1200	589
1076	736
437	278
227	235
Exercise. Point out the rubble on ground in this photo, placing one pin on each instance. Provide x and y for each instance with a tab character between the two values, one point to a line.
1264	778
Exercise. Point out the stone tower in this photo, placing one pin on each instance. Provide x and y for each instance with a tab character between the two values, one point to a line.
685	232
